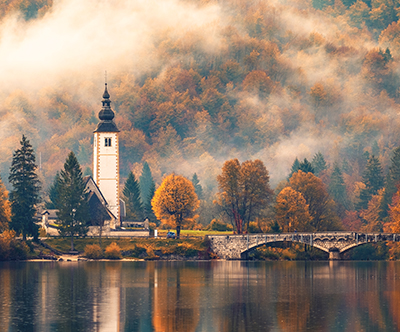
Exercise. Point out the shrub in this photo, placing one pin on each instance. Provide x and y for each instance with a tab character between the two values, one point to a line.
198	227
113	251
253	227
217	225
11	248
93	251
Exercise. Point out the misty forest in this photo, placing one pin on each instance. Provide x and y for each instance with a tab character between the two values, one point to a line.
309	85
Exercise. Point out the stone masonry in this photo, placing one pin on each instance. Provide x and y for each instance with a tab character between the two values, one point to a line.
335	243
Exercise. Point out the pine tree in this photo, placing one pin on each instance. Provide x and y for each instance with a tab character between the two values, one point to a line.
295	168
392	181
197	186
306	166
53	193
145	182
26	187
148	209
318	163
131	192
337	190
373	180
72	205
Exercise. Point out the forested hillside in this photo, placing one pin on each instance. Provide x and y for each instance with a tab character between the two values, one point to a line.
194	83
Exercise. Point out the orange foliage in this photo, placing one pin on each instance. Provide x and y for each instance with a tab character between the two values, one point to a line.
292	211
175	202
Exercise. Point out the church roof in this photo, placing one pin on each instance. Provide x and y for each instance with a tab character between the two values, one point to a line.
106	116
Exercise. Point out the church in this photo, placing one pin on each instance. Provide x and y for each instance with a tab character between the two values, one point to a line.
106	159
106	207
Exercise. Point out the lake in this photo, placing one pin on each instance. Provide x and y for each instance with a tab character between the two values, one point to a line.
200	296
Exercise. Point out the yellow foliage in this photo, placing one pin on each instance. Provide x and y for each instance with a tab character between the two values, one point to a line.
175	201
93	251
371	214
113	251
394	213
292	211
5	207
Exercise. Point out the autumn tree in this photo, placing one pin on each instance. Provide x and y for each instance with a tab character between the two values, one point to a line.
318	95
259	83
394	213
371	218
292	211
243	191
24	196
73	208
5	208
131	192
392	181
175	201
320	204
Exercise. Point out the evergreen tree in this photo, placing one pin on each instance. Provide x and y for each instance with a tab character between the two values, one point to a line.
318	163
148	209
197	186
145	181
337	190
373	180
53	193
295	168
306	166
392	181
72	205
25	194
375	148
346	167
131	192
275	227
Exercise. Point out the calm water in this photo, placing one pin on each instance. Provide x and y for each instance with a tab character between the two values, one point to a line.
200	296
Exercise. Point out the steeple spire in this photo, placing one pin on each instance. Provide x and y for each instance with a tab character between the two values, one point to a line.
106	115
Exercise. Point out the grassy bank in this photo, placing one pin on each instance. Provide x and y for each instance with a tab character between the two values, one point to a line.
141	248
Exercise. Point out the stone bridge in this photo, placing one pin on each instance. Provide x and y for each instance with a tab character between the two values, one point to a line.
335	243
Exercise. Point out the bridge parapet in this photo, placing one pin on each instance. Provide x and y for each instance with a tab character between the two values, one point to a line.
335	243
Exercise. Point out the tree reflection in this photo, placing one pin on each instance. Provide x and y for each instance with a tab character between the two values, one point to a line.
175	301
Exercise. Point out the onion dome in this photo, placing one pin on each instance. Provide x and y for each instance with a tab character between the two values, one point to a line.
106	115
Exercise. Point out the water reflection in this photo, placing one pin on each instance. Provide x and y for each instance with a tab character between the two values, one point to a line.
200	296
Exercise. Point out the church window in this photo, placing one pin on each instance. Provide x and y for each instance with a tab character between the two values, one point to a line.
107	141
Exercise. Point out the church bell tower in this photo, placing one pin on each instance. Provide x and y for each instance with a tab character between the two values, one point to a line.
106	157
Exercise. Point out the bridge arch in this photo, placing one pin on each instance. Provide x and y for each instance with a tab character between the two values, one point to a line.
334	243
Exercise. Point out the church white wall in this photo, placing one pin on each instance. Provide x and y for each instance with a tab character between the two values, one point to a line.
106	169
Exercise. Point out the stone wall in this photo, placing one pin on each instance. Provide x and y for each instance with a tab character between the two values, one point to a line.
335	243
